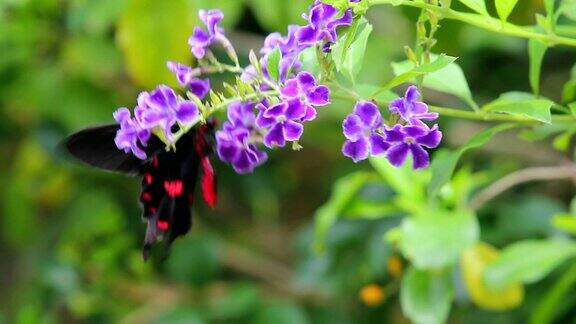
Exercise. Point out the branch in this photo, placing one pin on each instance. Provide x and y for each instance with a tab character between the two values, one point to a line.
522	176
485	22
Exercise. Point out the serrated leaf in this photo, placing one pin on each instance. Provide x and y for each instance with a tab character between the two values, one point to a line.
536	52
528	261
505	7
426	296
537	109
273	64
443	165
473	262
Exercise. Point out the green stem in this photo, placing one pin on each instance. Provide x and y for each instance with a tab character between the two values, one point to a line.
484	22
222	105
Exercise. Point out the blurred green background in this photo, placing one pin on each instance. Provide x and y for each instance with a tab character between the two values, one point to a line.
70	236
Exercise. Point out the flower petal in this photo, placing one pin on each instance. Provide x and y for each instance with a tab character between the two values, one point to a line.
295	109
199	87
420	159
187	112
310	114
368	112
378	144
276	111
306	81
432	139
319	96
307	35
397	154
394	134
292	130
358	150
290	89
275	136
352	127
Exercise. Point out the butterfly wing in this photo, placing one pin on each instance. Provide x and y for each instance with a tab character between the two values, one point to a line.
95	146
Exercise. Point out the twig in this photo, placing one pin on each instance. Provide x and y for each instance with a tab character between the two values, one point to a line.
522	176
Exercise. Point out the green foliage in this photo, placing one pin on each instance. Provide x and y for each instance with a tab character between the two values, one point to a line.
477	5
348	53
505	7
444	165
274	63
151	33
536	52
426	296
528	261
443	75
447	235
521	104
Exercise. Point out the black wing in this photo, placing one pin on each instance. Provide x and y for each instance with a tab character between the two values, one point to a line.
95	146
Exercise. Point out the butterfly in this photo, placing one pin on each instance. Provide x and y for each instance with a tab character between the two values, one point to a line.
169	177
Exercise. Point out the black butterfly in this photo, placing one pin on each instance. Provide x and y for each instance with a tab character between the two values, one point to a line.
168	177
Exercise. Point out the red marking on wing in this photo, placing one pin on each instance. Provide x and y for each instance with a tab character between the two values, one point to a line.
146	196
174	188
209	183
152	210
162	225
148	178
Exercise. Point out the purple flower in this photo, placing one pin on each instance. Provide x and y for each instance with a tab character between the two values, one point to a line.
234	145
283	121
130	133
162	107
411	110
322	24
186	78
241	114
411	139
202	39
362	130
304	88
288	44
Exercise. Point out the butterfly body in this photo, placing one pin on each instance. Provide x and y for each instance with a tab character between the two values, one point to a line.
168	177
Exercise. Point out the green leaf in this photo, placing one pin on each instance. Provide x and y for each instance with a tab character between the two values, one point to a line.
407	183
443	165
568	9
473	262
565	222
406	71
152	32
274	63
536	52
537	109
477	5
343	191
281	313
180	315
528	261
348	53
426	296
447	235
505	7
550	304
448	78
194	259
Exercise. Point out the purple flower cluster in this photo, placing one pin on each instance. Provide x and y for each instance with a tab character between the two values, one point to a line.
202	39
157	111
281	120
238	138
366	134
